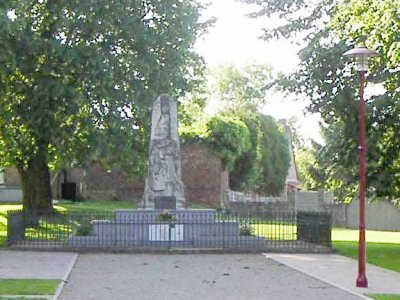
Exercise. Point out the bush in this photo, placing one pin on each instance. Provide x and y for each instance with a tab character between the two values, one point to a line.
84	227
246	229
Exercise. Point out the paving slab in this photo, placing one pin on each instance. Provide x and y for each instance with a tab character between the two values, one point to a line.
35	265
342	272
192	276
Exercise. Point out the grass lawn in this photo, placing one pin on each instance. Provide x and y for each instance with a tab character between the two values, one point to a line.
372	236
98	206
276	232
22	298
3	220
28	286
381	297
383	247
383	255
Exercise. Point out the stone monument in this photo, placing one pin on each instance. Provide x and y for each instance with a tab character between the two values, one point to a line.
164	187
163	222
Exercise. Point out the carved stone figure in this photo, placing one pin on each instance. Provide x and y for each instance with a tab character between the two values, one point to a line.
164	174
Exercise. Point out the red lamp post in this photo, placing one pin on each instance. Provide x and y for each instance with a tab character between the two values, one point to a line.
361	55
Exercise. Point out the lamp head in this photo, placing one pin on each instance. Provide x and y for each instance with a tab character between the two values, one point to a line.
361	55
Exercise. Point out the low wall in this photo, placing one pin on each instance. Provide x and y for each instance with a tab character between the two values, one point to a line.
313	200
234	201
10	194
381	215
307	201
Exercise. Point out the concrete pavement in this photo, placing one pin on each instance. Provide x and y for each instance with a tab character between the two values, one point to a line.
37	265
206	276
194	277
341	271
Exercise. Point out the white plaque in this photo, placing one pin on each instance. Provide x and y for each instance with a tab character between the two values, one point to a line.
166	232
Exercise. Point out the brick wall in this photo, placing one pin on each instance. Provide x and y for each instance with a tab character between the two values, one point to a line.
110	185
202	175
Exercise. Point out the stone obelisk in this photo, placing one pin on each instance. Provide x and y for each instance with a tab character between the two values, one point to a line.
164	187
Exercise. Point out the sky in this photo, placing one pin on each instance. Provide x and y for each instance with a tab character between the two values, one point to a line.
235	39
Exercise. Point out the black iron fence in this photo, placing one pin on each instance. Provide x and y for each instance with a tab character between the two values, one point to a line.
284	231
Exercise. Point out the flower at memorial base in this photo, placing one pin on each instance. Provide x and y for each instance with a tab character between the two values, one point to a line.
166	215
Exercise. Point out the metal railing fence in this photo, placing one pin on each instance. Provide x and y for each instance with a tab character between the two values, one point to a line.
284	231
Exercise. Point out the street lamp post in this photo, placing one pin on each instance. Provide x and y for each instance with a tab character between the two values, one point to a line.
361	55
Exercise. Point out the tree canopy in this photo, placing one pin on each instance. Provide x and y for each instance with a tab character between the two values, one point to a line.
76	75
325	78
251	145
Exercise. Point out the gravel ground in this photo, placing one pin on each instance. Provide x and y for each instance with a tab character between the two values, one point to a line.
192	277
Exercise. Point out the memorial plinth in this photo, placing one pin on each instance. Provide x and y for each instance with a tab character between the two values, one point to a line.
198	228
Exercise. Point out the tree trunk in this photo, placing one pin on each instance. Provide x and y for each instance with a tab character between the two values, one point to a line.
36	190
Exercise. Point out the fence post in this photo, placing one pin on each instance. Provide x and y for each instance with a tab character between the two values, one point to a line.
15	227
314	227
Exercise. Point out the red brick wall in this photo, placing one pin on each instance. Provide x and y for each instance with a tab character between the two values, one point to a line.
202	175
92	183
113	185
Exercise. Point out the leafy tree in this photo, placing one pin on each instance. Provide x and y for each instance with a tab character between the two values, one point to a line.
237	87
292	127
77	74
306	161
228	137
329	28
274	156
253	147
263	167
376	23
245	176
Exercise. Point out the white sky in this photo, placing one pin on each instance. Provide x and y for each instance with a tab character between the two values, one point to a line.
234	39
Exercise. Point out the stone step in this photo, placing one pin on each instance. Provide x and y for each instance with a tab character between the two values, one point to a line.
239	242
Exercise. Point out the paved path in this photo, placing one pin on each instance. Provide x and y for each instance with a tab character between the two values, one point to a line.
194	276
37	265
342	272
202	276
34	264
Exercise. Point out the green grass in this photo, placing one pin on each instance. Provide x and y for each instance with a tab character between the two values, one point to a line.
3	220
288	231
371	236
22	298
383	255
28	286
98	206
95	206
383	247
384	296
276	231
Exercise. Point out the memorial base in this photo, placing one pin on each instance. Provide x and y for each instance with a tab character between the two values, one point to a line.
193	228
